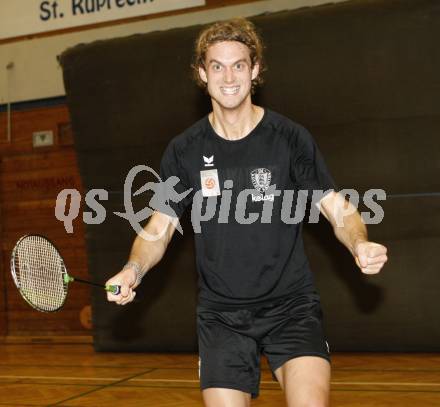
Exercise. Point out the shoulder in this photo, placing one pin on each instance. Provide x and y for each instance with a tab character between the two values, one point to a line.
189	137
286	128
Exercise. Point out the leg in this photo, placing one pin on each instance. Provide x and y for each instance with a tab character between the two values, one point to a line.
218	397
305	381
298	352
229	364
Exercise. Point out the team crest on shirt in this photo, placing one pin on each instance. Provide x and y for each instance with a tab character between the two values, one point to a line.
261	181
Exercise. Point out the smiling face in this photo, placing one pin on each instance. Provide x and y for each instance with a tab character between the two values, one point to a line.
228	73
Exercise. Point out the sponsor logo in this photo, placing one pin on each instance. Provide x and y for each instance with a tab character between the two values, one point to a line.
209	161
209	182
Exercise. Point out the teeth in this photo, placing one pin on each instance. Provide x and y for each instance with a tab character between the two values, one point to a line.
230	90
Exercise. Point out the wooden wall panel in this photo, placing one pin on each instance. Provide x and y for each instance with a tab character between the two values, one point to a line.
3	312
30	180
24	122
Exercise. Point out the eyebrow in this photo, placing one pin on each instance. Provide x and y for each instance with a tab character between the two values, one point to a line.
218	62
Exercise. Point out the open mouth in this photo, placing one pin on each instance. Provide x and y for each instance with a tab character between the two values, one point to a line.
230	90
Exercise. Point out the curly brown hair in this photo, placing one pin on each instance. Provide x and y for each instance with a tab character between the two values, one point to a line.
237	29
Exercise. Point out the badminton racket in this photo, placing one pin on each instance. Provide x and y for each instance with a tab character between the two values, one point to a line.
39	272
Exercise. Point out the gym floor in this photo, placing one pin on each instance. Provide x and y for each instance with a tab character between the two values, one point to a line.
75	375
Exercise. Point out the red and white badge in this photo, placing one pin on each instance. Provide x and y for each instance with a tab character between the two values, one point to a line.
209	182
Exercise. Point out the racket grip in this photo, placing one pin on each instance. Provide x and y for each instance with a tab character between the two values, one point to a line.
114	289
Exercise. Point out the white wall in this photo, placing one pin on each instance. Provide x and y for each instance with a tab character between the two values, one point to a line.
36	73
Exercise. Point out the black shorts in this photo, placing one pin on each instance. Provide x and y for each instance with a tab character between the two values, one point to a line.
231	342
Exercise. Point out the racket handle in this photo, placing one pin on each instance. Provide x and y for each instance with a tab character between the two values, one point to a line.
114	289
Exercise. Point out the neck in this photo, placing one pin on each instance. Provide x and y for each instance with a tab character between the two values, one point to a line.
235	124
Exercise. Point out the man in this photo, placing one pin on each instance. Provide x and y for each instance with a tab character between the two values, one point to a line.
256	289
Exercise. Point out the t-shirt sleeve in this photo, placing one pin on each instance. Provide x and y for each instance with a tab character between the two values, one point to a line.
175	182
308	169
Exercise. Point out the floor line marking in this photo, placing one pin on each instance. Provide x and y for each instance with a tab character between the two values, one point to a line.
60	378
387	383
112	379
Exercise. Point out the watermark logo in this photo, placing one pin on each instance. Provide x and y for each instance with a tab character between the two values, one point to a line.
211	202
163	194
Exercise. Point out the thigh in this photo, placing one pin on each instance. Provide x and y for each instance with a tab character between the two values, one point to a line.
228	358
298	332
305	381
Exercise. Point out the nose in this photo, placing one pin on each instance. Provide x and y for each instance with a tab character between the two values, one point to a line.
229	75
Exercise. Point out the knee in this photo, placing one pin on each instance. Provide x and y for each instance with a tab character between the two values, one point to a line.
222	397
308	399
313	402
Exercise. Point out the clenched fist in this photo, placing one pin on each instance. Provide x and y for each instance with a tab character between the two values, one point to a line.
370	257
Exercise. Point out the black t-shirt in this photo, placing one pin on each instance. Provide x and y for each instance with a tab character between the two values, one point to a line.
243	263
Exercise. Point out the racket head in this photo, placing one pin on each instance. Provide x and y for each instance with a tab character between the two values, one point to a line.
39	273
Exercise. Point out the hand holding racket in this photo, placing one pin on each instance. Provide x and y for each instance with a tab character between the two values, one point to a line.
40	275
127	280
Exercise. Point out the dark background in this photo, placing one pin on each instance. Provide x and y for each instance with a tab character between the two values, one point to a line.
363	77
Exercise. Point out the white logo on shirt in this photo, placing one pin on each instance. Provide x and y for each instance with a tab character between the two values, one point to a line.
209	161
261	181
210	183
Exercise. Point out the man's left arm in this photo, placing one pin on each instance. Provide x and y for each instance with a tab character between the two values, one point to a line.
349	229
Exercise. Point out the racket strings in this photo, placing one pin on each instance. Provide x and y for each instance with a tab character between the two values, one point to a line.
39	272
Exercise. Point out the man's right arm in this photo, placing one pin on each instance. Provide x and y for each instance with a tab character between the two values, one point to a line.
147	250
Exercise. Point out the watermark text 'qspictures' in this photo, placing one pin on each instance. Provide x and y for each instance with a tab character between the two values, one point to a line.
205	208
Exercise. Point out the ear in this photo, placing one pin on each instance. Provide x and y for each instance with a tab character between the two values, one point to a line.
202	74
255	71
